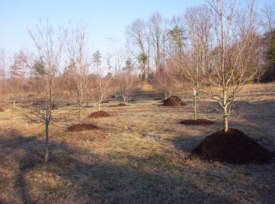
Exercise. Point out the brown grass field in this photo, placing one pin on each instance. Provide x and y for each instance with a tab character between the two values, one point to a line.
140	154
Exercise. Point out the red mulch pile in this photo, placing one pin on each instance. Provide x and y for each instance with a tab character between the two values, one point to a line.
81	127
232	147
173	101
99	114
1	110
197	122
122	104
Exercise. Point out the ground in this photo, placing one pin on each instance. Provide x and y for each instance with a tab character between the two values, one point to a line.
141	154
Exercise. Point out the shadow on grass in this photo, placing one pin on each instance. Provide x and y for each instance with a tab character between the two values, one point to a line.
94	179
186	144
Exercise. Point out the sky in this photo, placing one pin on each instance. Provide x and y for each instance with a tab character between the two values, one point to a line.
106	20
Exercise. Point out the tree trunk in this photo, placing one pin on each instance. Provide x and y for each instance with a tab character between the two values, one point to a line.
79	109
99	105
225	110
79	113
225	118
195	107
144	73
13	105
47	141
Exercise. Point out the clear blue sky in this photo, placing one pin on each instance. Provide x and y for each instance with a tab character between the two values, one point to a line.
105	19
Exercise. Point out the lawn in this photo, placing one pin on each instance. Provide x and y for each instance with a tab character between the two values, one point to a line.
140	154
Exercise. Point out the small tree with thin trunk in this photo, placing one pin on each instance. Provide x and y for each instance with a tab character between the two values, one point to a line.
127	81
102	84
191	71
195	59
49	44
235	36
140	38
78	65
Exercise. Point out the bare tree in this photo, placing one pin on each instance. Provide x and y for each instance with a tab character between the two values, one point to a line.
3	69
177	40
79	65
21	64
268	20
138	35
199	25
49	44
127	80
165	81
230	58
102	82
159	39
170	76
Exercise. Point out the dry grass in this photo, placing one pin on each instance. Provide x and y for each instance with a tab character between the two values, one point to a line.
139	155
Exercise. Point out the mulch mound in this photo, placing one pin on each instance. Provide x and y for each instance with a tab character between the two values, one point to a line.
81	127
232	147
99	114
173	101
197	122
1	110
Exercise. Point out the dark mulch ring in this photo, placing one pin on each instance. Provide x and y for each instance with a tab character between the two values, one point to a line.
1	109
36	103
197	122
81	127
43	103
105	101
232	147
99	114
158	98
173	101
121	104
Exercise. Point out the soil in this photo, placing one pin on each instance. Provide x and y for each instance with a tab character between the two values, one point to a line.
105	101
81	127
1	109
173	101
39	103
99	114
54	107
157	99
232	147
36	103
197	122
122	104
